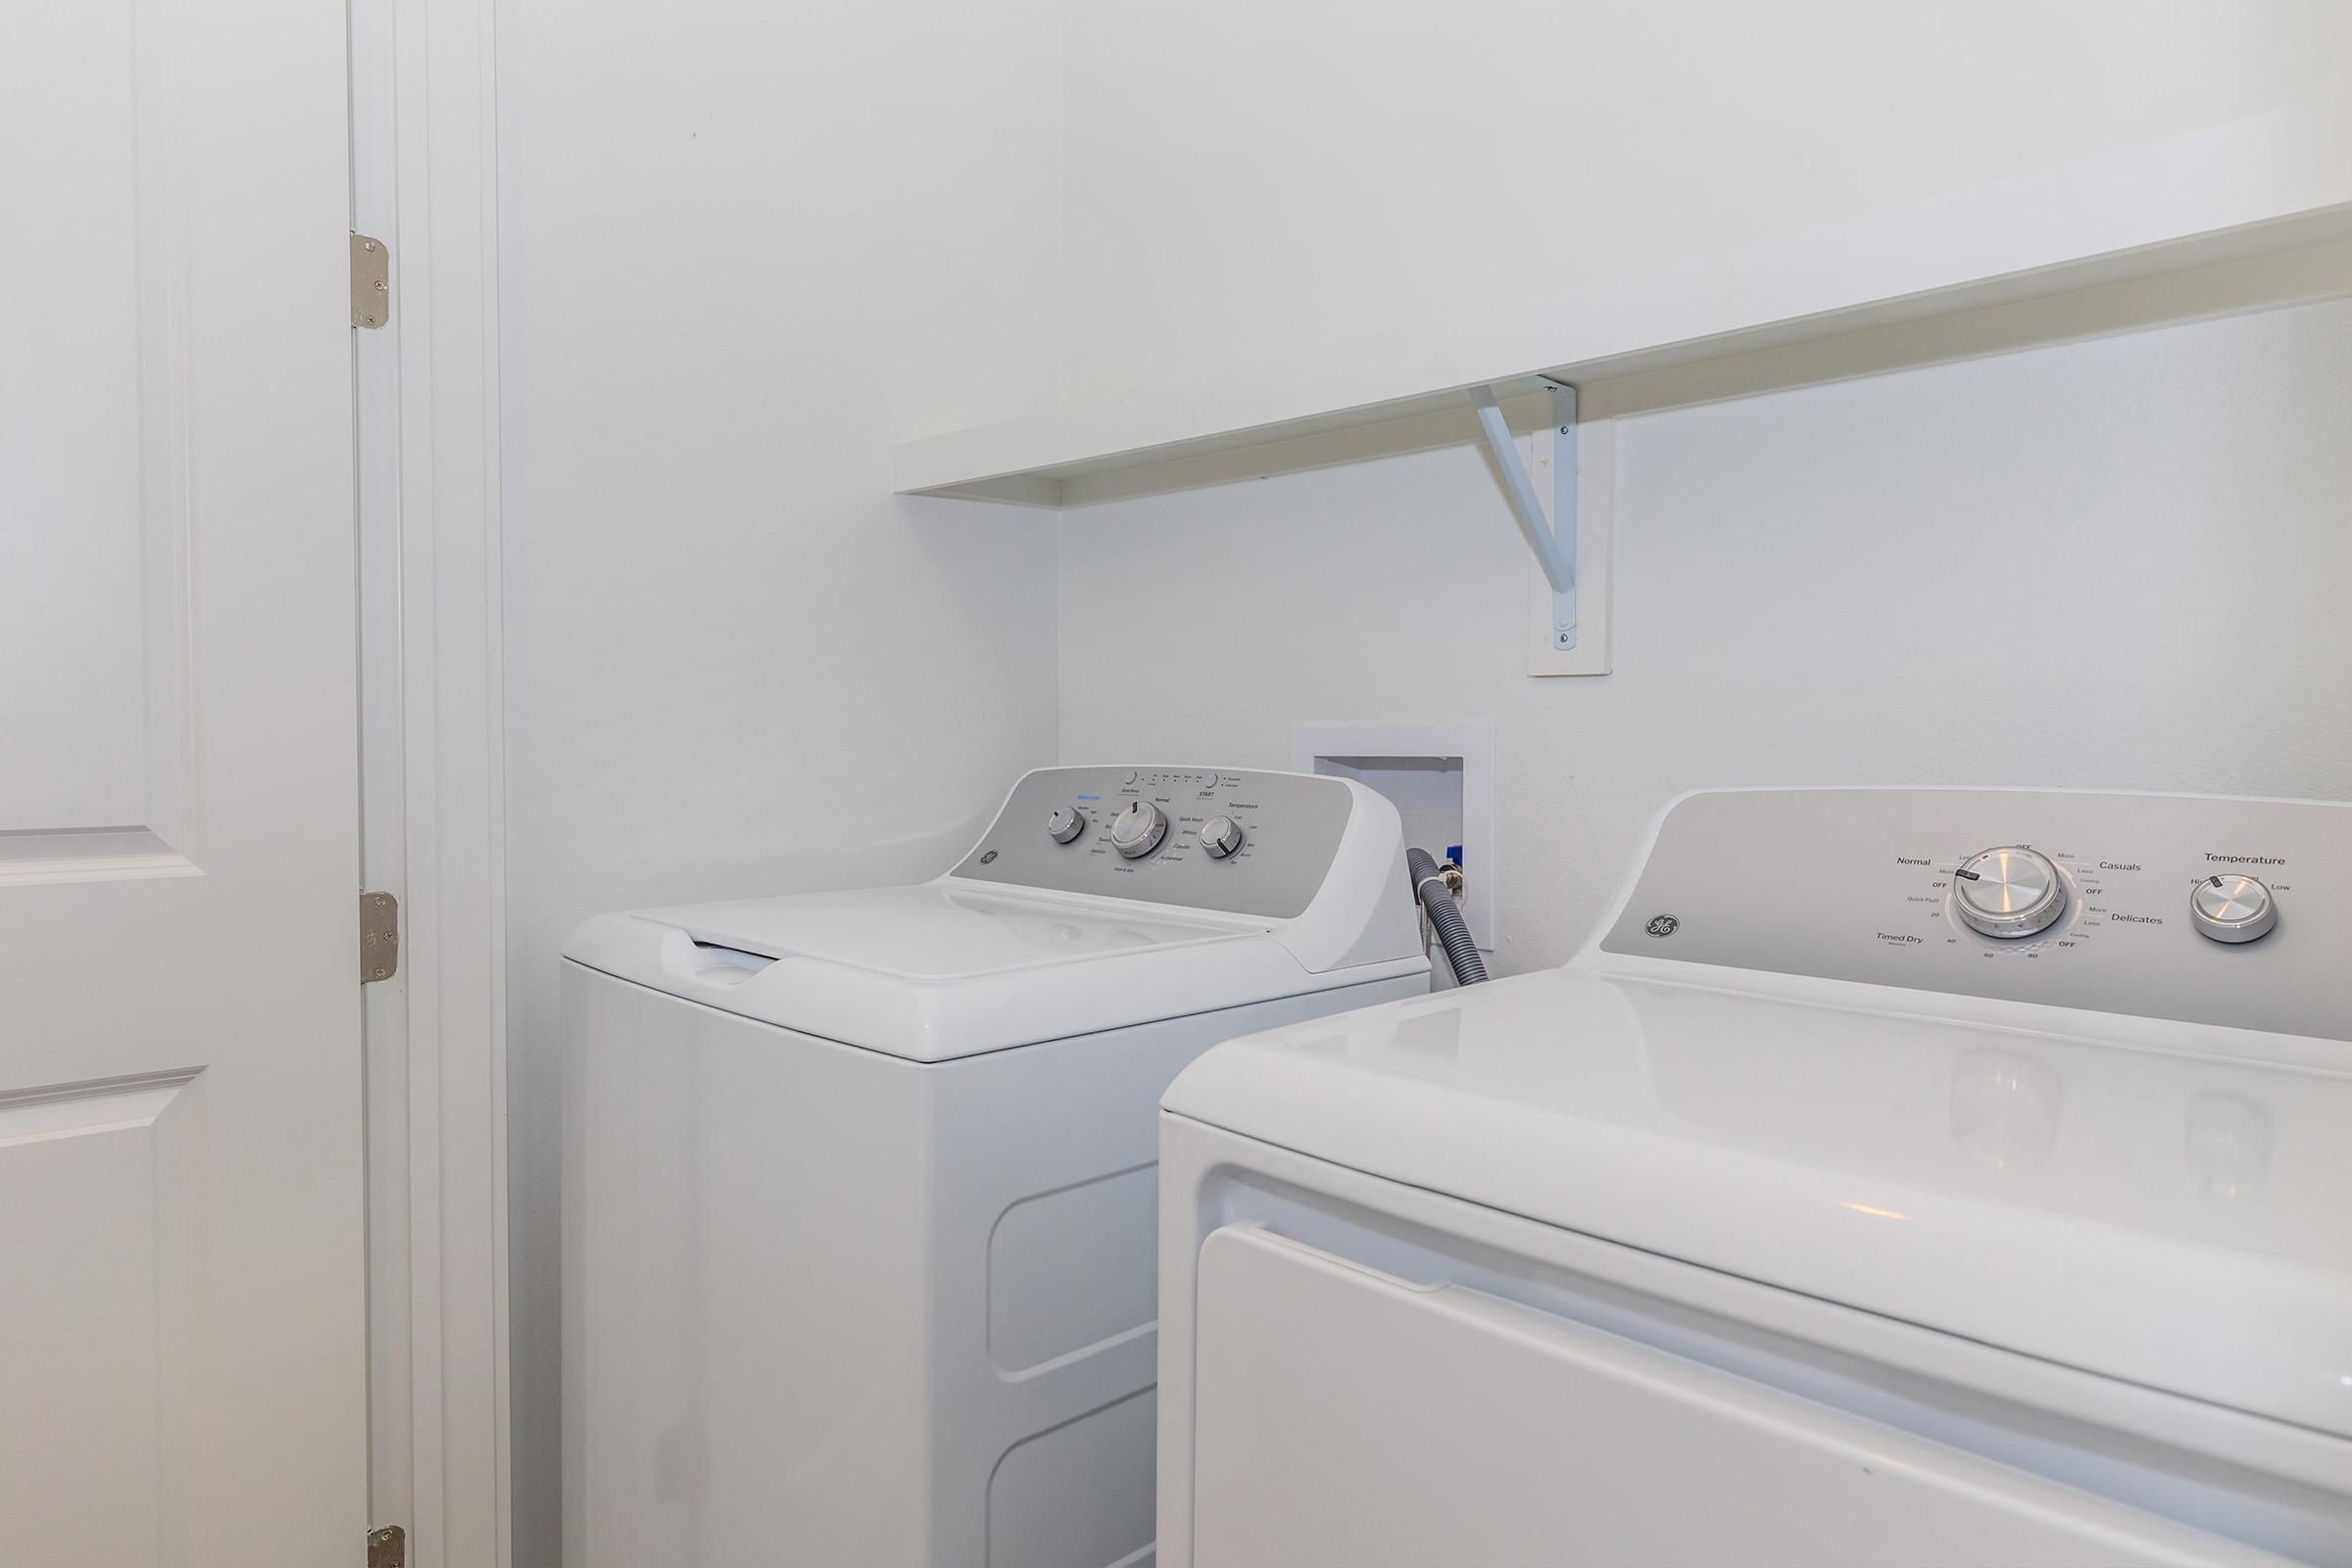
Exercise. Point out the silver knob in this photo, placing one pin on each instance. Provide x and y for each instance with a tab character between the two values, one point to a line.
2009	893
1220	836
1065	823
1137	831
2233	909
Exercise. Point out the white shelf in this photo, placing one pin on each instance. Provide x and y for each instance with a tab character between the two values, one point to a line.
2244	216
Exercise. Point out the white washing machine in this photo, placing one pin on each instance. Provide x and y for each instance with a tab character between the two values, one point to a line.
859	1234
1857	1195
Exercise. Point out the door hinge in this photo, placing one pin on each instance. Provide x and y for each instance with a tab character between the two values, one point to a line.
387	1547
371	281
379	937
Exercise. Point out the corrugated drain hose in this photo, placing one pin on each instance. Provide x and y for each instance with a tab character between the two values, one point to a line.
1445	917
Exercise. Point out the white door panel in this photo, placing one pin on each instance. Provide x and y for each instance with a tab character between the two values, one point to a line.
179	1116
70	559
1343	1416
81	1218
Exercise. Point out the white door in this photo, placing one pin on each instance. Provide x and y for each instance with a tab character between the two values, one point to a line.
181	1337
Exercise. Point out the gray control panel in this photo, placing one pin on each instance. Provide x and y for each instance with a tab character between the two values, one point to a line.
1242	842
2217	912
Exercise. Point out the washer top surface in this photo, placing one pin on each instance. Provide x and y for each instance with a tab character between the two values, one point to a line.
2153	1199
938	931
1043	933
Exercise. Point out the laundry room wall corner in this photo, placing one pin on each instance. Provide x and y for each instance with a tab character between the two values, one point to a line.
745	247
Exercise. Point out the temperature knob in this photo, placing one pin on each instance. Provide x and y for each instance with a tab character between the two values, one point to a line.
1220	836
2233	909
1137	831
2009	893
1065	823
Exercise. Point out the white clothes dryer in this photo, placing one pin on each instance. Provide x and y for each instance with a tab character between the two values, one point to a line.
1895	1176
859	1233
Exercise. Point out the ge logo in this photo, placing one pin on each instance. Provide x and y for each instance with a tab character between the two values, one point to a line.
990	858
1662	925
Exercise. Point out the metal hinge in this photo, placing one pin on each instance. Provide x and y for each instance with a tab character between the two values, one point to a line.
387	1547
371	281
379	937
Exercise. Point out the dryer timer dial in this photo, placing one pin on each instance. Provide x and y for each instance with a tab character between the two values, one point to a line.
2009	893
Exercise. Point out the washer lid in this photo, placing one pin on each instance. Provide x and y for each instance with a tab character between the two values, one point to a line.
943	970
934	933
2183	1221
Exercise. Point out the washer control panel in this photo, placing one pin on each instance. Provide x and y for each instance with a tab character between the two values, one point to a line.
2236	913
1238	841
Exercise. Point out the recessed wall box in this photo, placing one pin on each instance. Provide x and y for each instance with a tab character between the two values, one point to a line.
1441	778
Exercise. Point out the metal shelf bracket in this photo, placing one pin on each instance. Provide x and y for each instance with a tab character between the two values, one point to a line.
1552	538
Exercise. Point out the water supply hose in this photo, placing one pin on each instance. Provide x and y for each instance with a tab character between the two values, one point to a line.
1445	917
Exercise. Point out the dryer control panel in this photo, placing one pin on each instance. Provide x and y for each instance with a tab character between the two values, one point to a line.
2236	913
1203	838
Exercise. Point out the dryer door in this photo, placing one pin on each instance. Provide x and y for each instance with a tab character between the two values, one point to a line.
1346	1416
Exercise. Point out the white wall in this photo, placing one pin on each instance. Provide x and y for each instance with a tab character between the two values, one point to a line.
1250	181
744	245
2118	564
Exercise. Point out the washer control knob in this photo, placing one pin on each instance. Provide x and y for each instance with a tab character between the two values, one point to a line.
2233	909
1065	823
2009	893
1138	829
1220	836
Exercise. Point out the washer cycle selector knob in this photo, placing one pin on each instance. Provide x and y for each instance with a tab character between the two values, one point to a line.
1065	823
1137	831
2009	893
1220	836
2233	909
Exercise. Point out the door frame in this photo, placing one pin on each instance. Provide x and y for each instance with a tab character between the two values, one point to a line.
424	180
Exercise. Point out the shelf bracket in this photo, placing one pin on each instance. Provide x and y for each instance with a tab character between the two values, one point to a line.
1554	538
